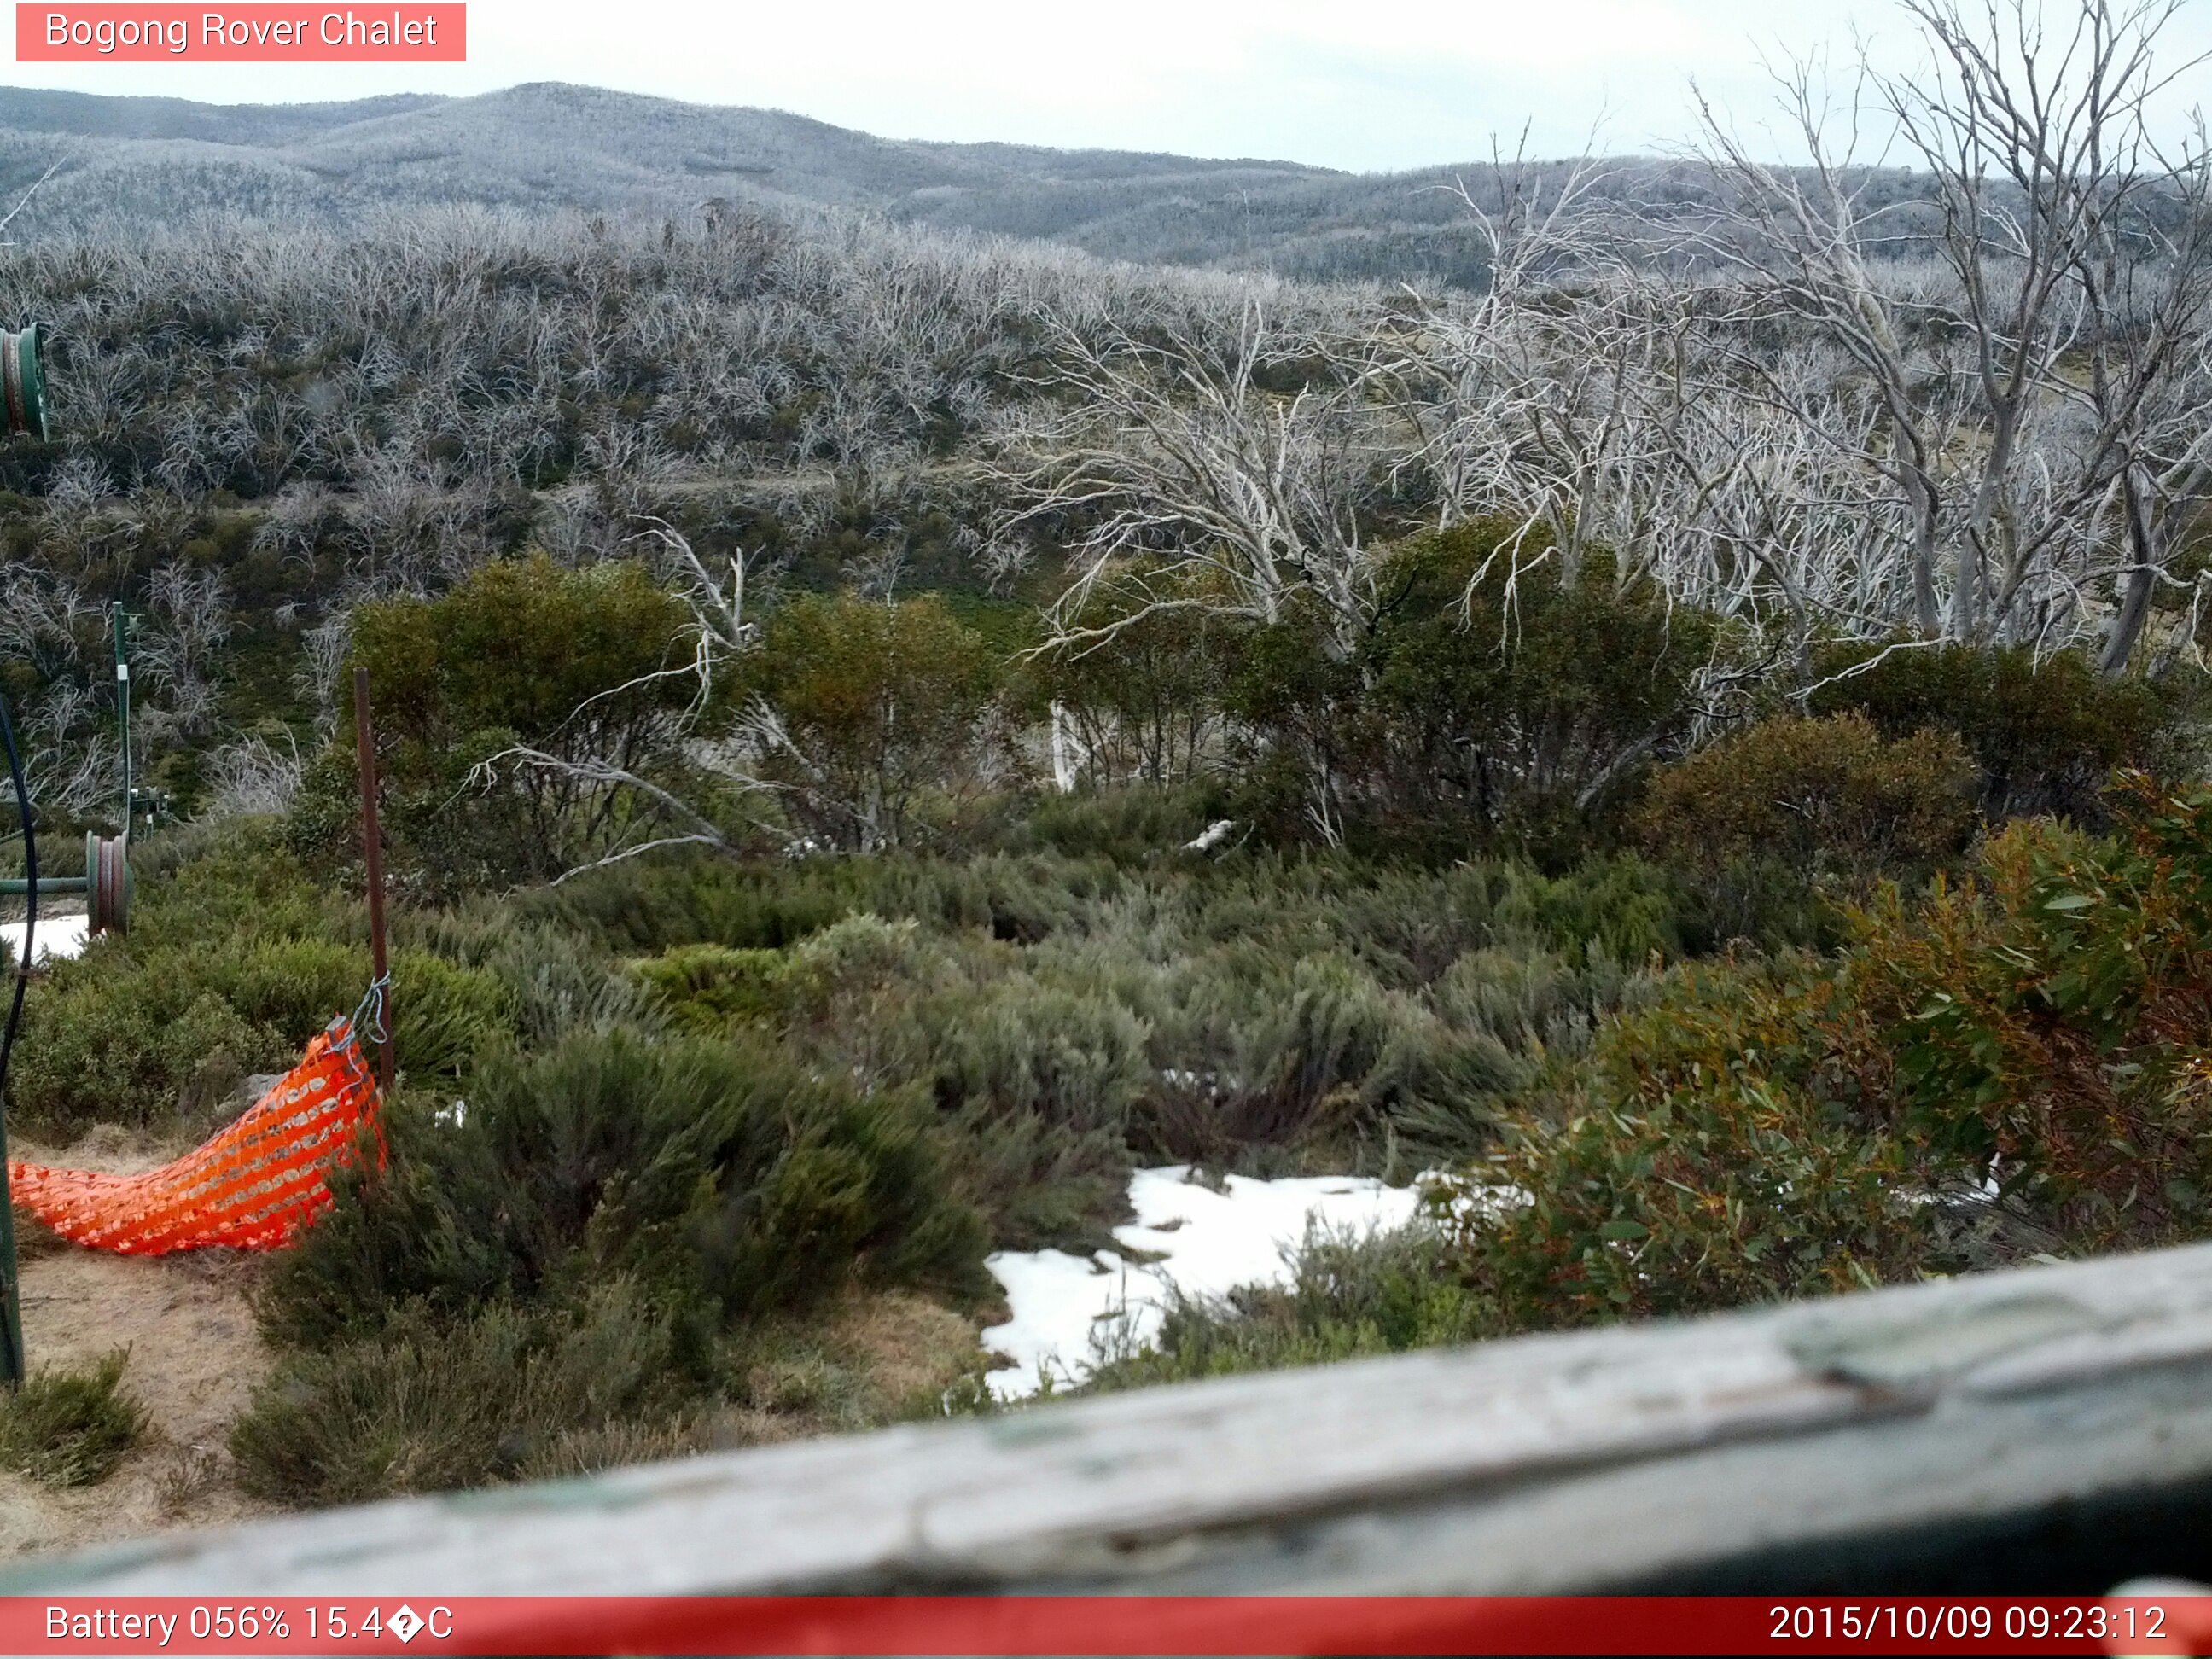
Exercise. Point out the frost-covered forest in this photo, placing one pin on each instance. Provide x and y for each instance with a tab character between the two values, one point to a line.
1679	717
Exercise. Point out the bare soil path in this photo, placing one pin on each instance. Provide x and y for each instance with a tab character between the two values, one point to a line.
195	1358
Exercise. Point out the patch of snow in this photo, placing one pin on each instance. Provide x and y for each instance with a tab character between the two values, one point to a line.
1066	1307
58	937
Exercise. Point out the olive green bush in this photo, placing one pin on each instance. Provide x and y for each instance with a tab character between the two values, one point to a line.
874	702
506	1391
1698	1159
1992	1070
1266	1015
1351	1296
579	663
2046	731
121	1048
728	1180
1501	697
1139	693
1829	795
710	988
562	1263
71	1426
158	1029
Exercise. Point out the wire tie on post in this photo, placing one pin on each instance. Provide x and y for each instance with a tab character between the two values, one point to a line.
369	1016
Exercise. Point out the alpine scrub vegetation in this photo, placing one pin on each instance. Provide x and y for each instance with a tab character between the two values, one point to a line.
687	1104
760	990
577	1254
71	1426
883	735
2012	1064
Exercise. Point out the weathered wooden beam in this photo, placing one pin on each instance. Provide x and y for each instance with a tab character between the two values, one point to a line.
1546	1464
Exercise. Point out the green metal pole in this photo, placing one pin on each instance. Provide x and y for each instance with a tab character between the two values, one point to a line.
123	715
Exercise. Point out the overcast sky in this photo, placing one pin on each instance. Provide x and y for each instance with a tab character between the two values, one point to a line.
1366	85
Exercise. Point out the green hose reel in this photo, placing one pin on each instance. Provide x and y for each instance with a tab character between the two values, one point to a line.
105	883
23	383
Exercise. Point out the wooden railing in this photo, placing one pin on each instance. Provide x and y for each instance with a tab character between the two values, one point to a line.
2047	1429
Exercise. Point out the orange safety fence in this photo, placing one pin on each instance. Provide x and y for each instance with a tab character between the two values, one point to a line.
252	1187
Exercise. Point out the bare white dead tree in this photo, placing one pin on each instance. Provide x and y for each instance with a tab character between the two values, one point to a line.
188	616
1245	497
24	201
324	650
252	777
2034	366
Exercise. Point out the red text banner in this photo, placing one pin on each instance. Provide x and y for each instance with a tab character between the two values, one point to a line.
258	33
1131	1625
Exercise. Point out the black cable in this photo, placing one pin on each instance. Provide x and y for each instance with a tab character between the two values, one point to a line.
11	1316
22	976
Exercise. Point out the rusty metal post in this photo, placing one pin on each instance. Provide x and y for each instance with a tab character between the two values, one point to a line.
372	843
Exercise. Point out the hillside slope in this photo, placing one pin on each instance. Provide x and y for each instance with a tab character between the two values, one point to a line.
541	146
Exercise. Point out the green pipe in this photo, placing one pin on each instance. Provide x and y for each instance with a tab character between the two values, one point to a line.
122	712
15	886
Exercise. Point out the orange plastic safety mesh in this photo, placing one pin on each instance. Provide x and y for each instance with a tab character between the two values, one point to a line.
252	1187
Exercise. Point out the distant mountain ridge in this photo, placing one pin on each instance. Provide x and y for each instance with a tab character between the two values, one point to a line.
550	145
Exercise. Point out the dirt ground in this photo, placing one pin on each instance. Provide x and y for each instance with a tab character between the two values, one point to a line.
194	1359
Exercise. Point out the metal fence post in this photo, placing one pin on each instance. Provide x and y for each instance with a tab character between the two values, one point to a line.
372	842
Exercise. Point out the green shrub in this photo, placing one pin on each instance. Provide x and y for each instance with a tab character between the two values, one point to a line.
1041	1184
1696	1161
1271	1065
1146	704
711	988
521	651
291	985
1829	795
70	1427
855	953
505	1392
554	984
444	1017
647	907
728	1180
1500	697
2046	733
158	1029
653	904
1131	826
1610	910
1018	1048
1793	1128
2048	1017
1535	1003
106	1043
243	886
1351	1296
233	961
1039	1082
880	701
